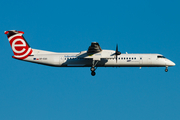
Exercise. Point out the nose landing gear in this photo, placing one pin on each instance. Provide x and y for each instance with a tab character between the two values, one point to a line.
166	69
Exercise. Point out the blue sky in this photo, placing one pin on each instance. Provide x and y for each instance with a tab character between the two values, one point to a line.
32	92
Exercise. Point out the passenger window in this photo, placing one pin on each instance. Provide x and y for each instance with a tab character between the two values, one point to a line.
140	58
122	58
129	58
135	58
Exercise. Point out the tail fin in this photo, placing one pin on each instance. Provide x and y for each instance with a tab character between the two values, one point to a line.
20	47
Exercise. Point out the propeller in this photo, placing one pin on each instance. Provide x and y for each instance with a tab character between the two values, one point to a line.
117	52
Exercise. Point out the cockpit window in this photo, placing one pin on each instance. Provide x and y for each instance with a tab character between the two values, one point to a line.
160	57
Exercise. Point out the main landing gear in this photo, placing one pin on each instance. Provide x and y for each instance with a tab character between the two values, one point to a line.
94	63
166	69
93	73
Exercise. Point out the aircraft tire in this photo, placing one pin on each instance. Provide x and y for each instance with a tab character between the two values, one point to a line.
93	73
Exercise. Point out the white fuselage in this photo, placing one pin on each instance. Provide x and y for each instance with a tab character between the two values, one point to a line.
94	57
104	58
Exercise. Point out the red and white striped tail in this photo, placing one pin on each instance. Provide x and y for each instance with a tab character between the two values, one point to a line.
20	47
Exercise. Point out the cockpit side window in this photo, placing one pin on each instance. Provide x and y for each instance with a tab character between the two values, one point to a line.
160	56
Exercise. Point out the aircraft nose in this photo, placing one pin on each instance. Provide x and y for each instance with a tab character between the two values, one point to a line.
170	63
173	64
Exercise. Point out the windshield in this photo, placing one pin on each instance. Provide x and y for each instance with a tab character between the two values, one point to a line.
160	56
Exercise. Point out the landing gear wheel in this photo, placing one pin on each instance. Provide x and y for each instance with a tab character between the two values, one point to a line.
166	69
93	73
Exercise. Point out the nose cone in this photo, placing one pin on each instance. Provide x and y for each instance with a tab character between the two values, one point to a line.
170	63
173	64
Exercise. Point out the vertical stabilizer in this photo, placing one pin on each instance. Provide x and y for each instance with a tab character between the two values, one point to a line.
20	47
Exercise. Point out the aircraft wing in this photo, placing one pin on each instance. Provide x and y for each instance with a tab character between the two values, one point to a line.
94	52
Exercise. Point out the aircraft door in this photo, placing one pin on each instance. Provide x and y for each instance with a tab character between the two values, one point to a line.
140	61
146	60
149	60
61	60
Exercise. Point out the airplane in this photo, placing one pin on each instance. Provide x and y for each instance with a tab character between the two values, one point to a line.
94	57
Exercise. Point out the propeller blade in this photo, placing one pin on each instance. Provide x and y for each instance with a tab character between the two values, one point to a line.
117	52
116	58
116	48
